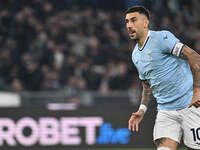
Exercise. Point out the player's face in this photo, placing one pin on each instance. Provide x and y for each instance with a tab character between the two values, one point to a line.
135	23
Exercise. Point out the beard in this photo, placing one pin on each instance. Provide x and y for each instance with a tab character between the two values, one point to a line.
136	39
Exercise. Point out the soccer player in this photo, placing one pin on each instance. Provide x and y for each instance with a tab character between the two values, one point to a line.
170	71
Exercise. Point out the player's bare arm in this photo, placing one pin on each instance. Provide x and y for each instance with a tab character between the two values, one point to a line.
146	93
138	116
194	61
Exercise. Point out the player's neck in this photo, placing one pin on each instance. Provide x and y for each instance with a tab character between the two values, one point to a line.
143	39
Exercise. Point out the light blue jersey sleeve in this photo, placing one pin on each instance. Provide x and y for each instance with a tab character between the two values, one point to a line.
141	76
167	41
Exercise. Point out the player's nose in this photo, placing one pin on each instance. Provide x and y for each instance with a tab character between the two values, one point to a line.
128	25
129	28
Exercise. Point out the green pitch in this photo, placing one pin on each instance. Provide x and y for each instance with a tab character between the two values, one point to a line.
136	149
129	149
109	149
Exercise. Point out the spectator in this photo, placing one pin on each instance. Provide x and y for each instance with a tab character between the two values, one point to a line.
77	45
17	85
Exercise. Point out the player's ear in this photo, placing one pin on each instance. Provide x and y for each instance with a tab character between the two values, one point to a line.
146	23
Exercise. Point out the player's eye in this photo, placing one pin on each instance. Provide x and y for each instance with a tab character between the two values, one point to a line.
133	20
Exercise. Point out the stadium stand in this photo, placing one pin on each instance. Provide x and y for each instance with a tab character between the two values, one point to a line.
77	45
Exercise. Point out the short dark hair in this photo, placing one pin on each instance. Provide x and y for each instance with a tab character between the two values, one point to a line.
140	9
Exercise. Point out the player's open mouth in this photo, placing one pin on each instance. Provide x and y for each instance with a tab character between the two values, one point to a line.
132	33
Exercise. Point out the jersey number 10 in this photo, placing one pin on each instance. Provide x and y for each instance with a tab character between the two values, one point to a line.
196	134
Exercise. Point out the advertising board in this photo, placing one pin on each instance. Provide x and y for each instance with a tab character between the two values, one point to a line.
82	128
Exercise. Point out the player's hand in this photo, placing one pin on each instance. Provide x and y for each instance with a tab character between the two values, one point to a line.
195	100
135	119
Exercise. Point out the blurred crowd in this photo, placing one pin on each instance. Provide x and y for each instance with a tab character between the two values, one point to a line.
77	45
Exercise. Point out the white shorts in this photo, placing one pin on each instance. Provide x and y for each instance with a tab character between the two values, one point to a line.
174	124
